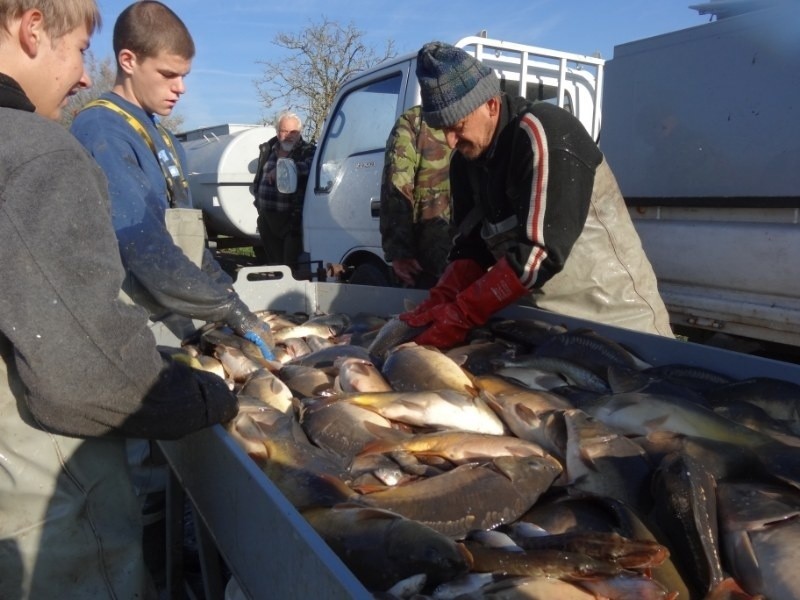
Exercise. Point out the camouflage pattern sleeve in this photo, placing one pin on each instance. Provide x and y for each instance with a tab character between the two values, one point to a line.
415	192
397	187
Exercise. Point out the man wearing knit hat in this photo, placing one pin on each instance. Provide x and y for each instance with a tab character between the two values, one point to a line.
536	209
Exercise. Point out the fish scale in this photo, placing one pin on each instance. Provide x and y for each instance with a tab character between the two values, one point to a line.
415	368
587	348
471	496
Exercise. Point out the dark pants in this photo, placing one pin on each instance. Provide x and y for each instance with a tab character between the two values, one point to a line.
432	243
281	237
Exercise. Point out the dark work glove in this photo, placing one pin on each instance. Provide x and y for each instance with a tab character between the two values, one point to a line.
180	401
250	327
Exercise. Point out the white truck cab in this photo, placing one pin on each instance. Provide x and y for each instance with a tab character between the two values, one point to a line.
342	201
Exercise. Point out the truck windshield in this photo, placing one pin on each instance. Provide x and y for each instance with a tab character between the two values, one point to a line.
360	124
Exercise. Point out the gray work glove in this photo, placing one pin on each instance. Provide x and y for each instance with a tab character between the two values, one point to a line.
251	328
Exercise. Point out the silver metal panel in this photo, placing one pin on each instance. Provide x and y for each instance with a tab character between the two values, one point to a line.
271	549
707	111
657	350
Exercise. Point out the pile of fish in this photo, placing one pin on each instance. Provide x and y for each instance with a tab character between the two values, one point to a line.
532	462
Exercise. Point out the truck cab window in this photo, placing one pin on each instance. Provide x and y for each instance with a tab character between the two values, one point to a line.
359	124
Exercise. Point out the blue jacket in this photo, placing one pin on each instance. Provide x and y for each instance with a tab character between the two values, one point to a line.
139	199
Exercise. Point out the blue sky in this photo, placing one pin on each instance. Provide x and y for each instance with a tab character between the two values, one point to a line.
233	35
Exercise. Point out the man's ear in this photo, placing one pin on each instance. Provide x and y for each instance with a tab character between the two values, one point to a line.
31	31
126	60
494	106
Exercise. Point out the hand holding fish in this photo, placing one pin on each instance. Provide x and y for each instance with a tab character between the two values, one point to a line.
261	336
253	329
458	275
451	321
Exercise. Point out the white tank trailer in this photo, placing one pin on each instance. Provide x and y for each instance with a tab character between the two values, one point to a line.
221	165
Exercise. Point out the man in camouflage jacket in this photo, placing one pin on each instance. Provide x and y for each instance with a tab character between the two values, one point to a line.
415	201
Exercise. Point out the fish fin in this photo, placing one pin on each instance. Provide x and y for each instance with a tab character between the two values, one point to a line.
729	588
459	359
387	434
491	401
369	488
587	462
525	414
377	447
348	494
655	423
466	554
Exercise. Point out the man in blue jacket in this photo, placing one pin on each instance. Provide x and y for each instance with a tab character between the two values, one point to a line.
161	237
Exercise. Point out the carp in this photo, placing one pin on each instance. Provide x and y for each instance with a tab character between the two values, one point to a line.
471	496
382	547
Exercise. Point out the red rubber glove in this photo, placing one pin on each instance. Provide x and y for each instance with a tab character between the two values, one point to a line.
458	275
451	321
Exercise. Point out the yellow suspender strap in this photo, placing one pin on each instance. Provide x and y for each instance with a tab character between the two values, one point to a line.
139	128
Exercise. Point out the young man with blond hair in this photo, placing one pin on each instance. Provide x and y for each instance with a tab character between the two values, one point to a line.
79	368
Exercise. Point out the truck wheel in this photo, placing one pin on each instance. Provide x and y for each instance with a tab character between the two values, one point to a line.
369	274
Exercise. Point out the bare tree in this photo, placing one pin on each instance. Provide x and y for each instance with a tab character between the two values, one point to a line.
103	74
319	60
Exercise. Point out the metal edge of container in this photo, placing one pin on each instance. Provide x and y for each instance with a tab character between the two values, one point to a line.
269	547
657	350
291	295
267	544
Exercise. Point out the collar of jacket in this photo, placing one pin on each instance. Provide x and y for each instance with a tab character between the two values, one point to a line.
135	111
13	96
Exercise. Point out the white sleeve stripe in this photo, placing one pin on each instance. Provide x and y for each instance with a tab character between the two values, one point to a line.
534	227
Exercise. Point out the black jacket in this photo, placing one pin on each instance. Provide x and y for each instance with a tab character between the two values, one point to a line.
539	170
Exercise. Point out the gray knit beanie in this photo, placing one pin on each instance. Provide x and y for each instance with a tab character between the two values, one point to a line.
452	83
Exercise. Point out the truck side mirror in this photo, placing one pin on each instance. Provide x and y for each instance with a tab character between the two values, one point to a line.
286	176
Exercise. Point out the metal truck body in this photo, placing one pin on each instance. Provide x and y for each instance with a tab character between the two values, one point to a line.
702	129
